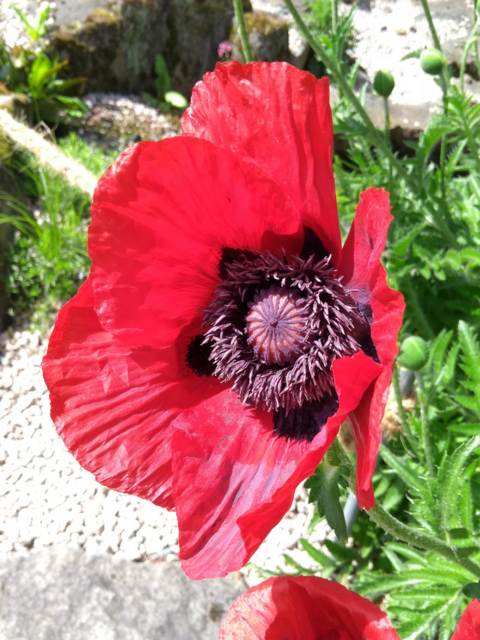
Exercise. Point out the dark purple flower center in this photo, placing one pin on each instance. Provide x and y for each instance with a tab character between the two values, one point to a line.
273	329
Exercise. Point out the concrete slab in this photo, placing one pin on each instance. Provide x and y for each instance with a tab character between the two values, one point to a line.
65	594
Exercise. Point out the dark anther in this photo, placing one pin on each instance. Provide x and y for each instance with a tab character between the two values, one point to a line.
303	423
198	357
229	256
312	246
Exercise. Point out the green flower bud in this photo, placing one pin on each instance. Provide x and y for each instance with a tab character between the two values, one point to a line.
413	353
383	83
433	61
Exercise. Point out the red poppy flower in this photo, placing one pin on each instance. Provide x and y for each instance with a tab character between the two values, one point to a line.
304	608
308	608
223	334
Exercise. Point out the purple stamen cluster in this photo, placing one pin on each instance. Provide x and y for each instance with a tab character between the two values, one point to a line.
275	325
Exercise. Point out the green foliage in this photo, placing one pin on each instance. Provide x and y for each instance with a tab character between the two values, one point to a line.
425	591
333	29
94	159
48	259
33	73
325	491
165	98
38	27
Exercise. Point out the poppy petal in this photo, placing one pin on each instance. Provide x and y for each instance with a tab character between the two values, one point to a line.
279	118
113	405
304	608
364	275
469	625
234	479
160	219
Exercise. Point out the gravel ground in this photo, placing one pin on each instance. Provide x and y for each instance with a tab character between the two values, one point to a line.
47	499
120	116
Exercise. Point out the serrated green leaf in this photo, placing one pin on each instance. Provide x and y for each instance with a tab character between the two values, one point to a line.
450	479
468	402
340	551
408	552
471	360
472	590
376	585
412	54
438	350
466	506
435	129
425	595
449	620
316	554
324	489
409	477
433	575
293	563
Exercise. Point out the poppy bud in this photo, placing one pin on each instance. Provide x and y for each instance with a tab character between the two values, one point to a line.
433	61
413	353
384	83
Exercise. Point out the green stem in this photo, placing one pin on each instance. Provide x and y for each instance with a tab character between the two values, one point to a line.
433	31
242	30
426	435
387	140
334	20
401	412
377	139
401	531
436	42
471	41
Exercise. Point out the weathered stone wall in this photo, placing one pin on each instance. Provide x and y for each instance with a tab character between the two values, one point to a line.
114	48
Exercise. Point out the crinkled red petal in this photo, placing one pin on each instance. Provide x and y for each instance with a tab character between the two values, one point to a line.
365	276
304	608
234	479
278	117
160	219
113	405
469	625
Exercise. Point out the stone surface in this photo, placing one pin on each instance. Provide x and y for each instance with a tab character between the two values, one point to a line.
268	37
62	594
195	29
115	47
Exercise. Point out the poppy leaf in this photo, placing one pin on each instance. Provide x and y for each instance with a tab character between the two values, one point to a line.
324	490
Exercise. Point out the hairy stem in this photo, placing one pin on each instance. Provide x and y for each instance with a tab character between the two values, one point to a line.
426	435
242	30
401	412
387	140
403	532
